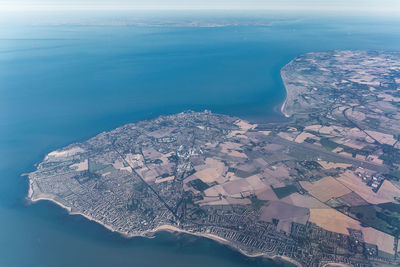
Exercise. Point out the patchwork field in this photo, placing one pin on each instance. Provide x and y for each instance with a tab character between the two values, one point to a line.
283	211
304	201
325	188
212	170
352	199
333	220
386	193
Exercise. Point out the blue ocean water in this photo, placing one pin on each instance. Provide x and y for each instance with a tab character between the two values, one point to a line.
65	83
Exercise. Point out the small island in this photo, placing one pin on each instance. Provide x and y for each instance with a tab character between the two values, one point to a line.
321	188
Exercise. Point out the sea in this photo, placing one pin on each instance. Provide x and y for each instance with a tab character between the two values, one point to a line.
67	77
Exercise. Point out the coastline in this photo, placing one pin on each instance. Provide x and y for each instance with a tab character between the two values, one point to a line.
70	212
334	264
283	106
161	228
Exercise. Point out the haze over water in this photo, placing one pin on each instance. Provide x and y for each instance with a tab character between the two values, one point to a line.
65	83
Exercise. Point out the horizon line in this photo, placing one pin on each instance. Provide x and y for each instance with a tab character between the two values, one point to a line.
299	8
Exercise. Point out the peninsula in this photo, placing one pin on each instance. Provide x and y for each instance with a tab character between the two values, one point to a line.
321	188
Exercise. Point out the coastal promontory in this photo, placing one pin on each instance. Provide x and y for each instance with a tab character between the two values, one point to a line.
320	187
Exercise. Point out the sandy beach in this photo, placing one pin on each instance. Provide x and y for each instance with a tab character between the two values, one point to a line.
286	97
333	264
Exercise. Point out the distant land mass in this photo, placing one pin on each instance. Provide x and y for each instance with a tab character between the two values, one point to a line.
321	188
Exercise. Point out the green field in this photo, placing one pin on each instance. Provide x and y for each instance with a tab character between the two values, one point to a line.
285	191
257	203
328	144
384	217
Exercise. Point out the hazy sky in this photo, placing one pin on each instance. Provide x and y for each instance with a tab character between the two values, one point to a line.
329	5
